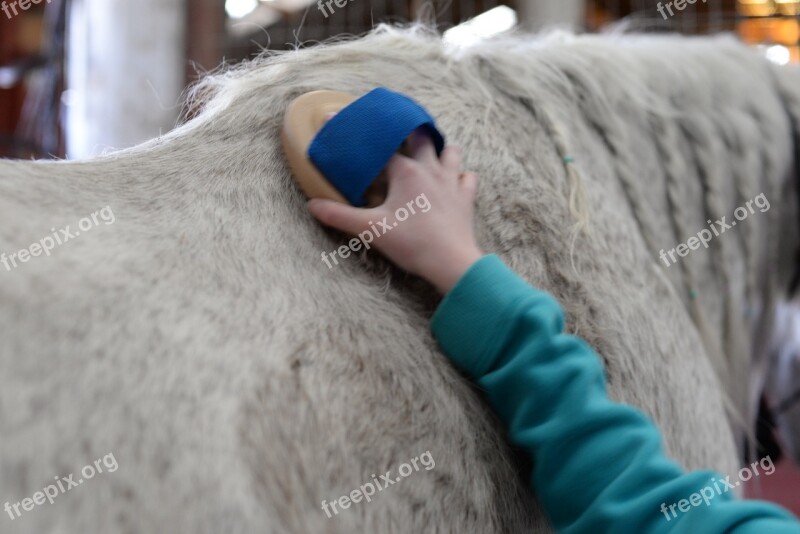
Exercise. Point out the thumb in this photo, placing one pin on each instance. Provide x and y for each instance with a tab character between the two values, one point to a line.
340	216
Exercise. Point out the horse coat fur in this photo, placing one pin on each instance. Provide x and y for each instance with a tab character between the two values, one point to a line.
239	382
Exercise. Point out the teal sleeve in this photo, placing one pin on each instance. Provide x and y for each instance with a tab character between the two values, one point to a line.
598	465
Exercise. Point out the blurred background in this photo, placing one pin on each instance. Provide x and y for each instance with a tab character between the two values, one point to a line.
80	77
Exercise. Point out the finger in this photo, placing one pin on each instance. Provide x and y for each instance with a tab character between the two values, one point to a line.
400	167
469	184
451	159
403	174
421	146
340	216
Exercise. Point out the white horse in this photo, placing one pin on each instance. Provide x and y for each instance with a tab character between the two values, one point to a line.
167	310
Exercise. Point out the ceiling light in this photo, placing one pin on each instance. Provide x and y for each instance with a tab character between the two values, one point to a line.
238	9
493	22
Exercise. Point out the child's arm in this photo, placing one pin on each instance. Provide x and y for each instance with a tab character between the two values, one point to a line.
598	465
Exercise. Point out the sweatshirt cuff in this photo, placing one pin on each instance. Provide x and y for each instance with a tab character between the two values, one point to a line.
475	312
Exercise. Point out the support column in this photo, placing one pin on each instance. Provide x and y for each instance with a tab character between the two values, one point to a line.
125	72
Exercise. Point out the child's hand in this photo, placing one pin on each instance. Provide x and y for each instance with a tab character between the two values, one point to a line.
437	240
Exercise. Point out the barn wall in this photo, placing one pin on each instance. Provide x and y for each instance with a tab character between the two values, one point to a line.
537	14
